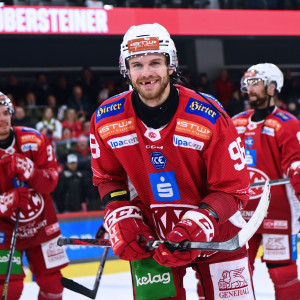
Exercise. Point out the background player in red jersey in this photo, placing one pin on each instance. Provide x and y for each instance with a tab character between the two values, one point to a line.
180	157
272	145
27	155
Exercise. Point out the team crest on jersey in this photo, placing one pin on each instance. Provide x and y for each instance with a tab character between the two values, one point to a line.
257	175
36	206
166	216
110	109
282	116
202	109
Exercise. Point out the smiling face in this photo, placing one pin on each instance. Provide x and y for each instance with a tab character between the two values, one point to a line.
150	77
5	122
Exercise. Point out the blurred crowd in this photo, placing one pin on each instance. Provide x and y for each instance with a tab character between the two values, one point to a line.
62	109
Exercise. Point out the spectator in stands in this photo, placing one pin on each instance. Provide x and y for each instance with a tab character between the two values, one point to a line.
20	118
224	87
294	108
83	152
49	125
15	88
33	111
69	195
65	146
107	91
62	89
86	128
204	85
41	88
88	84
236	104
51	102
71	121
80	102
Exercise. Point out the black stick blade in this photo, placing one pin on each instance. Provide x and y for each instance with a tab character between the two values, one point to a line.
78	288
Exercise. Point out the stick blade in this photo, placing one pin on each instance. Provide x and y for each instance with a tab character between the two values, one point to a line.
78	288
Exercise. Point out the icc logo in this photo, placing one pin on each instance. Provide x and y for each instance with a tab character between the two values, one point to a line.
158	160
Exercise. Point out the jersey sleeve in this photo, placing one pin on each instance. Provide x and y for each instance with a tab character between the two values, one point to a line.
108	174
227	175
288	139
45	176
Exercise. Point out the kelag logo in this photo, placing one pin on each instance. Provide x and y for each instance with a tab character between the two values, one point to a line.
158	160
111	109
164	186
202	109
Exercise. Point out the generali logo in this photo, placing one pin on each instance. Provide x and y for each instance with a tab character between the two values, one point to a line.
233	284
142	44
194	129
115	128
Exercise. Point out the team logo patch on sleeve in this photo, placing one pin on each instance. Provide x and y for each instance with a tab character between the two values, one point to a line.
203	110
282	116
110	109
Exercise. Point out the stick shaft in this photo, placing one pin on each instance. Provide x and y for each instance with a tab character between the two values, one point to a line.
271	182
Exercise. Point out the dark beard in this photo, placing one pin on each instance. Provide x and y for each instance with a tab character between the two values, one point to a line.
258	102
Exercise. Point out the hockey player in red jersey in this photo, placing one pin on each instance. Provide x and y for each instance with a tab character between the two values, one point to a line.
272	145
27	156
169	164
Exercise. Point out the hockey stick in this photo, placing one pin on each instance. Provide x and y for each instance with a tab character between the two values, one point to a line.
12	248
78	288
271	182
233	244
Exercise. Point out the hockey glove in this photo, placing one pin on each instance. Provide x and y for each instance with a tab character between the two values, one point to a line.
196	225
14	198
294	173
20	166
101	232
124	222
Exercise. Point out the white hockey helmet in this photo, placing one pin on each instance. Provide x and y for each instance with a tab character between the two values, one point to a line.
144	39
4	100
264	71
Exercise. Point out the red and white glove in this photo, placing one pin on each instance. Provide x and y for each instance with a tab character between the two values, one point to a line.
14	198
294	173
101	233
196	225
20	166
124	223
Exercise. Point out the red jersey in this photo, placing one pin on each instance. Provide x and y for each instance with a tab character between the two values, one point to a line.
39	223
173	168
271	145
